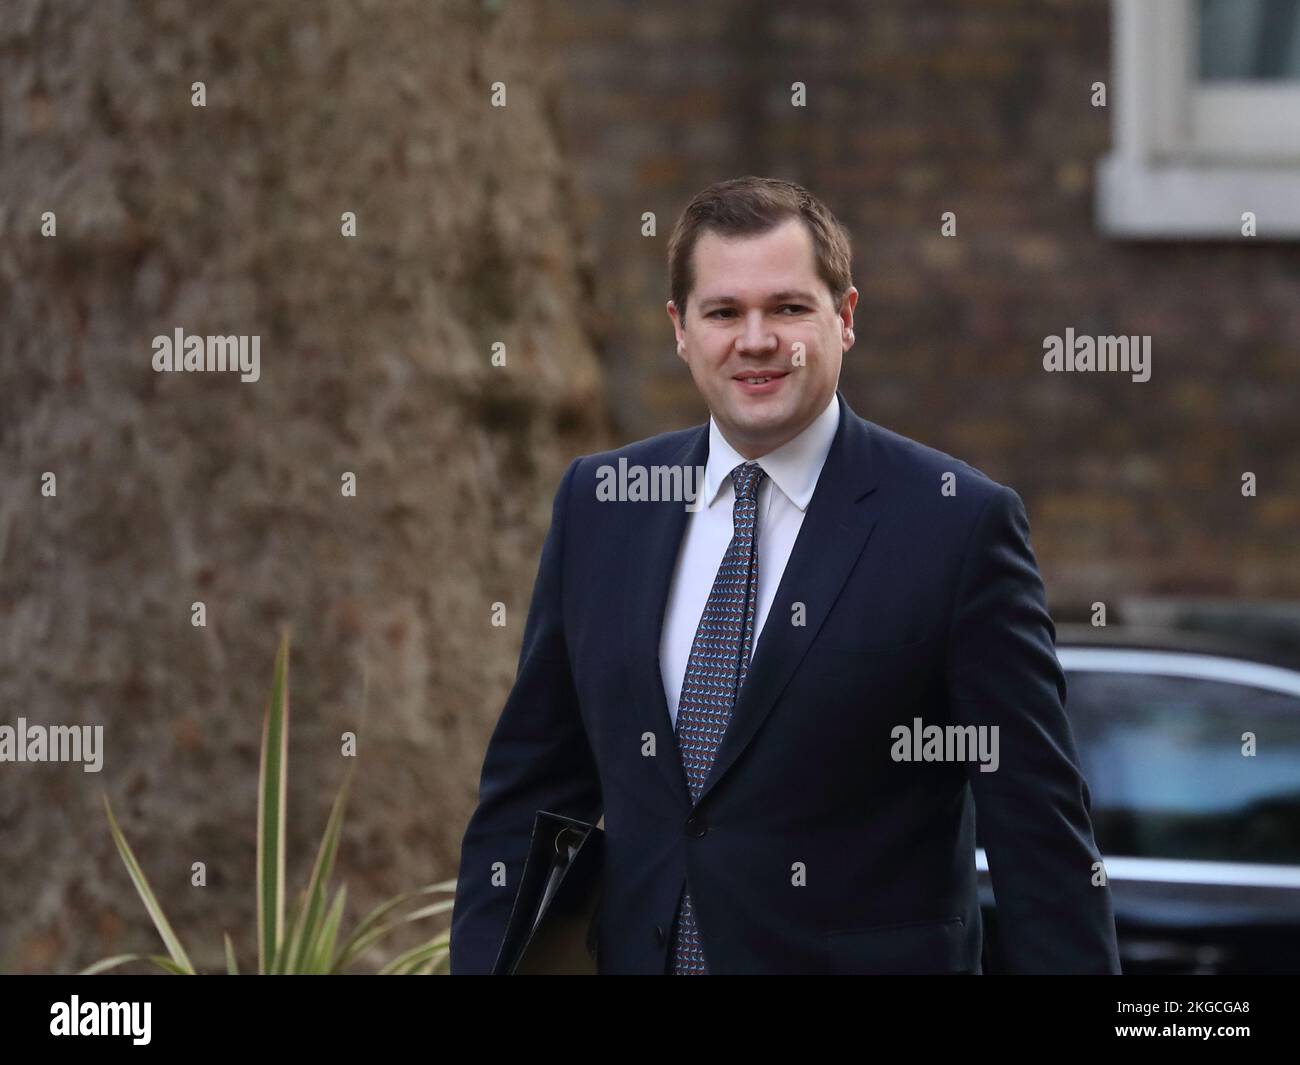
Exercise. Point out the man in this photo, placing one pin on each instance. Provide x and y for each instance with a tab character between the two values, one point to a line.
761	692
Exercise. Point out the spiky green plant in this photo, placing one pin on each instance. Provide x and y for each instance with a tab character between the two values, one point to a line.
311	943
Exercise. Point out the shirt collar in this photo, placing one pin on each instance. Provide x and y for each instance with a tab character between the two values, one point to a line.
793	467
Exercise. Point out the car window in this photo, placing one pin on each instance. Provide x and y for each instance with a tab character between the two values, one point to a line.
1164	761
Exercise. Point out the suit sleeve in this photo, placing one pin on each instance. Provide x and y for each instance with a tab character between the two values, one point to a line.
538	758
1033	811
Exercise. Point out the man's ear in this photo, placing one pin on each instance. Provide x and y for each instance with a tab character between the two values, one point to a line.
678	326
846	311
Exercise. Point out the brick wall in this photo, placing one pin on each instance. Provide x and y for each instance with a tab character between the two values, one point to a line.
916	107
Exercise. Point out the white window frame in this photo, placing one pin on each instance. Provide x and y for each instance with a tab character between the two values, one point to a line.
1190	158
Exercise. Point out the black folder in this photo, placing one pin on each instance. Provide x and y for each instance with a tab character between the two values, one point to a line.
555	921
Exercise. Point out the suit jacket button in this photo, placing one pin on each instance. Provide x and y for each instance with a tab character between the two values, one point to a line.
659	934
696	825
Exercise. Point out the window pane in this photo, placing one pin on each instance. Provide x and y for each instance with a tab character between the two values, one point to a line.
1164	764
1249	39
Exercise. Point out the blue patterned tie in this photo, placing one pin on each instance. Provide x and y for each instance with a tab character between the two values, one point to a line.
714	674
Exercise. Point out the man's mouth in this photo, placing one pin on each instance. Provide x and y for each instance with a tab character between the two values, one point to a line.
760	384
760	378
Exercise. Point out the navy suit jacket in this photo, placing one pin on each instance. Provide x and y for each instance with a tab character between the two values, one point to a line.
811	849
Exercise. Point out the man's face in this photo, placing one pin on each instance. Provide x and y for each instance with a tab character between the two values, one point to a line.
758	309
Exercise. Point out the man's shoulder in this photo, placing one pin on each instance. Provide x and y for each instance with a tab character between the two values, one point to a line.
926	470
660	449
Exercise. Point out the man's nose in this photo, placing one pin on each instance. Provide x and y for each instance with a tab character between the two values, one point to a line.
756	336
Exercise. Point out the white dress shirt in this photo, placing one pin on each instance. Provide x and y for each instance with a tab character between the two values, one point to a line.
783	496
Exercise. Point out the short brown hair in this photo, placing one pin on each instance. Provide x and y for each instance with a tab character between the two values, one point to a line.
749	206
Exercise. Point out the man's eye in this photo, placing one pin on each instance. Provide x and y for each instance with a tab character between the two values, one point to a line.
727	310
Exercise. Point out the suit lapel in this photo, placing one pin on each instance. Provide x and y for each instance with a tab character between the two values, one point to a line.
840	518
650	561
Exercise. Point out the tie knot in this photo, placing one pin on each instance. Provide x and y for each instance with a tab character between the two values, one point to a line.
746	478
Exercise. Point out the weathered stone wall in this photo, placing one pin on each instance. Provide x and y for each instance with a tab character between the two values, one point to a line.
184	487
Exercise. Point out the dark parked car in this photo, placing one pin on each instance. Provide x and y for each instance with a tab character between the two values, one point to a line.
1191	749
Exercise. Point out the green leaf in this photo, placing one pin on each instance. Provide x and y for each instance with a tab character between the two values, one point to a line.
271	785
415	957
163	962
281	963
146	894
306	928
322	949
170	966
429	911
232	966
376	934
369	930
104	964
